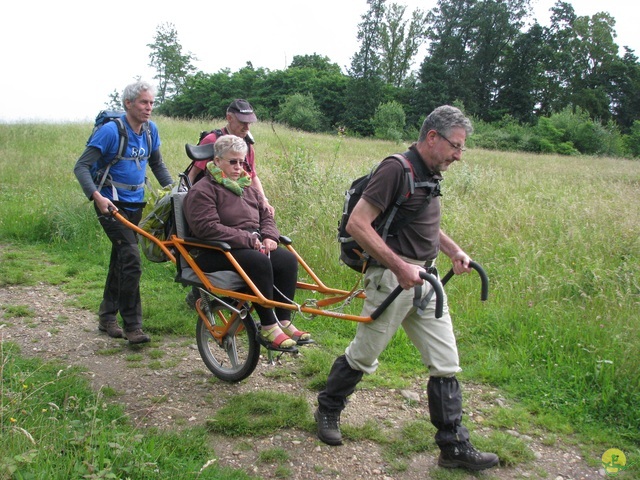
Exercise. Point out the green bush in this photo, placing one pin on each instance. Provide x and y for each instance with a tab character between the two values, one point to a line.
389	121
550	131
566	148
586	138
632	140
565	133
300	111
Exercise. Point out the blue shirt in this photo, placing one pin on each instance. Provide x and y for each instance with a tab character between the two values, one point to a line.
132	168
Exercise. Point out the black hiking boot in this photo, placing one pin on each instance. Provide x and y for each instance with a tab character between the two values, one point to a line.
111	327
328	427
464	455
137	336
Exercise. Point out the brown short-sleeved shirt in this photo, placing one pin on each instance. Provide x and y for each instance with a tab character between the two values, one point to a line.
419	240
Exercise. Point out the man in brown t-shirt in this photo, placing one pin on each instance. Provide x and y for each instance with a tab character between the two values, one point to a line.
399	261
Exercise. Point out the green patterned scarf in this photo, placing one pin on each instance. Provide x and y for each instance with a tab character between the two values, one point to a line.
236	186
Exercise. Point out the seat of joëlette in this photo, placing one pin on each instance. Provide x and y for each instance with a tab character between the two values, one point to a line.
225	279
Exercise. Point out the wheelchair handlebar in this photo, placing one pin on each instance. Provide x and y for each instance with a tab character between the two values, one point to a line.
484	293
437	288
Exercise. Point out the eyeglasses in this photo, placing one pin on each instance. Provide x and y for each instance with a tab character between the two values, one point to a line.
457	147
235	161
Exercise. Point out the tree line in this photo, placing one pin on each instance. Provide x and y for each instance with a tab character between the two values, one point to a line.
562	88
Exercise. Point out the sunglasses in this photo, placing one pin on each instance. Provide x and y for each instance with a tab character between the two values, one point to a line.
235	162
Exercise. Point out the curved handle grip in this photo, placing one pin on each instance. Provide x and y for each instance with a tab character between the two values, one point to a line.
437	288
484	293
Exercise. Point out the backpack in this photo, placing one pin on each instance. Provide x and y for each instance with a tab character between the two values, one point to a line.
219	133
101	173
158	220
387	223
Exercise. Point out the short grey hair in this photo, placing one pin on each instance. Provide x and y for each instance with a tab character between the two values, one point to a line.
132	91
443	119
230	143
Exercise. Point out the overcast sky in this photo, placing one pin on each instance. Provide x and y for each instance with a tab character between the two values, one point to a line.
60	60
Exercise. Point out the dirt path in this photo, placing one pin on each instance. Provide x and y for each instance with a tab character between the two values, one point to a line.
166	385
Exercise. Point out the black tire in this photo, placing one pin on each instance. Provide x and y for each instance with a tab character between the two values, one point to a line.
234	357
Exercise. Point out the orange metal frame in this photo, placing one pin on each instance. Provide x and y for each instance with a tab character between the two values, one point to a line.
333	295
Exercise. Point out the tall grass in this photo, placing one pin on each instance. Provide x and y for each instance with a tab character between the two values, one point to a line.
560	239
558	236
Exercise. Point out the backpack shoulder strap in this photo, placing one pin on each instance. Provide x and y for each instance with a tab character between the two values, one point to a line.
124	139
423	178
409	172
123	142
389	215
147	129
431	185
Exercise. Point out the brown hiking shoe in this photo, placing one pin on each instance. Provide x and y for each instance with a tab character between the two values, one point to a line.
111	327
137	336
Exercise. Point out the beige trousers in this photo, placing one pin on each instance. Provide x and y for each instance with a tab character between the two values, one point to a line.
433	337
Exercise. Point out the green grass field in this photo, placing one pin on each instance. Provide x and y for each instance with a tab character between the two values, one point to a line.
559	238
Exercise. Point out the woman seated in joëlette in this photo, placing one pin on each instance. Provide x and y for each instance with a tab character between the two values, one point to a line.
224	206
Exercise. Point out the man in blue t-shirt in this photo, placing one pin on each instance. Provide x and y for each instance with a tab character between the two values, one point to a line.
122	189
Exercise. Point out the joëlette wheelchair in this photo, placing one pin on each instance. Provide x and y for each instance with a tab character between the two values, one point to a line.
227	335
